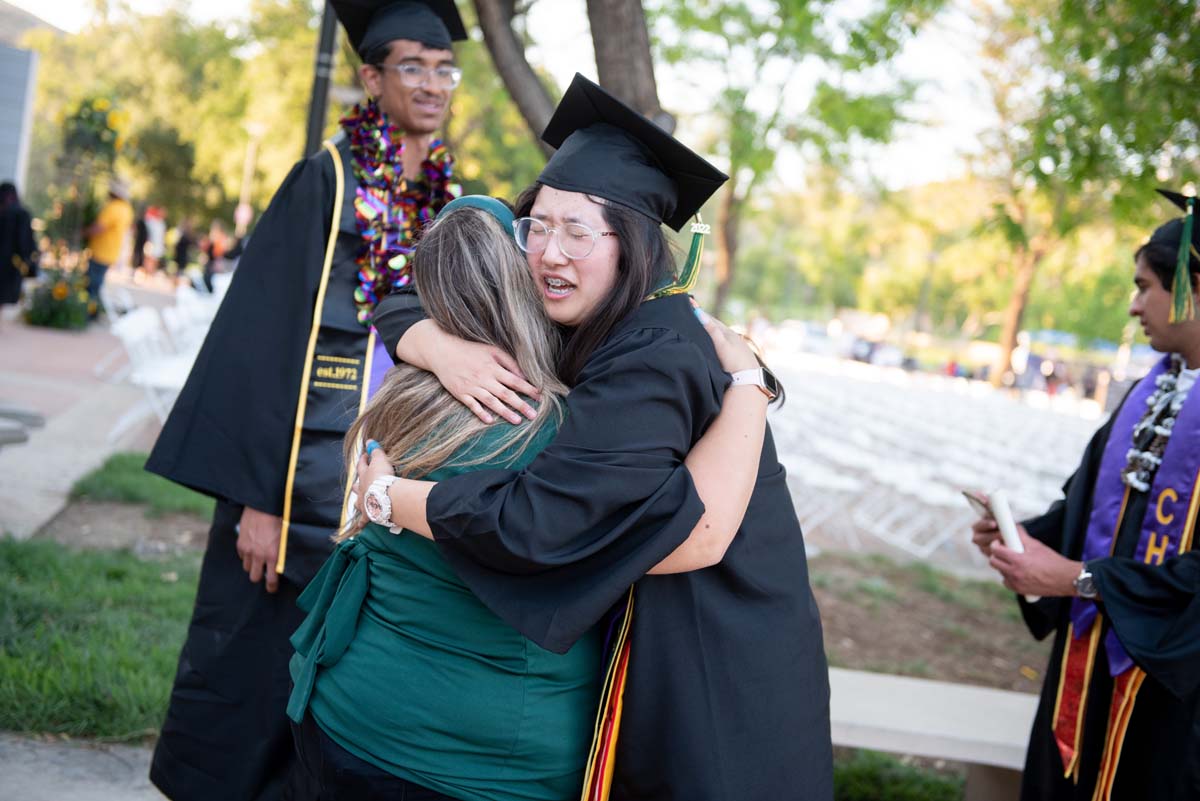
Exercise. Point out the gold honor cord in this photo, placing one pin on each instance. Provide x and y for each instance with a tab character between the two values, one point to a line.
339	188
597	777
686	281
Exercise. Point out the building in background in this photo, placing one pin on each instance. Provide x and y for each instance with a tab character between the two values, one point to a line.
18	73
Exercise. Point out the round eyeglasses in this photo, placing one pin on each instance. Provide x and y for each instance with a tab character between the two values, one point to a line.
575	240
414	75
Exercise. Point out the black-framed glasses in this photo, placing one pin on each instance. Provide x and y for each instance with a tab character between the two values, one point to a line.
415	75
575	240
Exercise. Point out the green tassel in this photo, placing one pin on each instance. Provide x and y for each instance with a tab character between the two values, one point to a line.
1183	309
686	281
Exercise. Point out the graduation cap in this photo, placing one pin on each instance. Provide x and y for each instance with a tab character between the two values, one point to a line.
1183	235
371	23
607	149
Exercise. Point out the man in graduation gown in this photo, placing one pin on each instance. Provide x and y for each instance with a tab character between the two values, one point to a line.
285	368
1115	566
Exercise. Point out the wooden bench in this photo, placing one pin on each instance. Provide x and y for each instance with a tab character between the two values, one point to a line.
984	728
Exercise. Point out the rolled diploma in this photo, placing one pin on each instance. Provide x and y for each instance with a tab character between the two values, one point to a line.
1008	527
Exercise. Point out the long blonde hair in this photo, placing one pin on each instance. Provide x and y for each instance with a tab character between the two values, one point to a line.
476	285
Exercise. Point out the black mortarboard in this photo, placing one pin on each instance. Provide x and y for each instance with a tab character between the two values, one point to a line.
1183	236
607	149
371	23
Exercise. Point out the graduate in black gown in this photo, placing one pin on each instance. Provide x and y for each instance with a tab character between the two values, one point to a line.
726	691
284	370
1119	716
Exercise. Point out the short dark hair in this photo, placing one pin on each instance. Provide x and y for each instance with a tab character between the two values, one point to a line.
644	261
378	54
8	193
1162	260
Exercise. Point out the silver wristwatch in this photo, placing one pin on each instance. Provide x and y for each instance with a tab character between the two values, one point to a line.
1085	585
376	502
759	377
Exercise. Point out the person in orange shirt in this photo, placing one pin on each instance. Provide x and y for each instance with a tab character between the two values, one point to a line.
107	234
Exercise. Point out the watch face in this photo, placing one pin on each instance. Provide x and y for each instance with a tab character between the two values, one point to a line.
771	382
372	506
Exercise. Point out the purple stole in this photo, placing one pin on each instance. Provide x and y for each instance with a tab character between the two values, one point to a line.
381	362
1165	532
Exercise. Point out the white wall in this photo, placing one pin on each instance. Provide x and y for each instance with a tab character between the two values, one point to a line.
18	70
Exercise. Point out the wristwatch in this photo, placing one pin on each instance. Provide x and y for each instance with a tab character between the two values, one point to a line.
1085	585
759	377
376	502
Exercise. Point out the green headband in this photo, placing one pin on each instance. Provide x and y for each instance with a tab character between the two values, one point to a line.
484	203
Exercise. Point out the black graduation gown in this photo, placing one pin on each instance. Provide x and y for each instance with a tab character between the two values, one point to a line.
229	435
727	694
1156	614
17	251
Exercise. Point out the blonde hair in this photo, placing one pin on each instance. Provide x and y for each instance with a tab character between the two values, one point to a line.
476	285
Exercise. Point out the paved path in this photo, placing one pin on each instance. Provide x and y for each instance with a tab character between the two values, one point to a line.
40	770
54	373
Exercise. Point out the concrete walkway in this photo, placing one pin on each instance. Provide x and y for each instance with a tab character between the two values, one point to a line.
54	373
46	770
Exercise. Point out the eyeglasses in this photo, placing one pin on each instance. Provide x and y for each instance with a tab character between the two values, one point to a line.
575	240
415	75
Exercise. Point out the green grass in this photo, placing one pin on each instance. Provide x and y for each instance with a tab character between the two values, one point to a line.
89	640
869	776
121	478
876	587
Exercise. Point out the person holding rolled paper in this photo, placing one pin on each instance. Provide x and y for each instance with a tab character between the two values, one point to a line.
1115	564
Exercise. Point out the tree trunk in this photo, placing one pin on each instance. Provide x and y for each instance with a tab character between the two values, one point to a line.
508	54
727	245
1027	264
623	59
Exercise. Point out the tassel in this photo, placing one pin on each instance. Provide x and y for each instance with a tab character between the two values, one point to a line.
686	281
1183	308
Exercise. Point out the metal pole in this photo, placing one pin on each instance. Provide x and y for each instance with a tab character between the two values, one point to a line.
320	91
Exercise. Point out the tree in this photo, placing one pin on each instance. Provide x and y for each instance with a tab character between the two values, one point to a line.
1094	109
624	62
750	53
497	19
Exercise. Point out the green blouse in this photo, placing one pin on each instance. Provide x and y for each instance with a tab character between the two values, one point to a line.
404	667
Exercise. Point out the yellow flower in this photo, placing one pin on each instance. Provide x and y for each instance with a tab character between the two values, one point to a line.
60	291
117	119
101	104
82	296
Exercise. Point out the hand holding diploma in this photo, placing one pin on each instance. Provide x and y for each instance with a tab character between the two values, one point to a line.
997	511
1027	566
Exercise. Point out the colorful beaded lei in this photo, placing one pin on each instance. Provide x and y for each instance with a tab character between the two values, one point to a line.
390	210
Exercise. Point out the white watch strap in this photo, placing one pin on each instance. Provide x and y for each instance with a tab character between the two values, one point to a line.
379	490
751	377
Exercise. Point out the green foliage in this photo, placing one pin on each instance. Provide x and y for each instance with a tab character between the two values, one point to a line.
122	478
59	300
1121	104
89	641
198	95
869	776
94	130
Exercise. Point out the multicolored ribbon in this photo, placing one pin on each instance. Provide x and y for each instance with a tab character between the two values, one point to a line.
389	209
